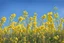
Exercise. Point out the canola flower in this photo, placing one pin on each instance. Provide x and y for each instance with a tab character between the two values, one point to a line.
56	37
12	16
56	15
50	13
3	19
17	32
25	13
21	18
44	16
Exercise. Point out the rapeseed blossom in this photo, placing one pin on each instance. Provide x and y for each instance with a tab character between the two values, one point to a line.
3	19
44	16
49	29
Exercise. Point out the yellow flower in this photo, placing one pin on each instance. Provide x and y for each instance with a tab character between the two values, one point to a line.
56	37
60	25
43	17
24	30
47	23
3	19
15	41
34	31
37	30
56	15
34	23
52	25
18	26
62	41
5	29
25	12
62	20
28	25
42	27
4	39
11	39
21	18
50	13
16	38
21	31
34	18
13	15
50	18
14	23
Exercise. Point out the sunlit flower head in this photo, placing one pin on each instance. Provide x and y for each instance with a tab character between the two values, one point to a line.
44	16
13	15
21	18
50	13
34	23
62	20
34	18
52	25
42	27
56	15
25	12
48	23
50	18
56	37
3	19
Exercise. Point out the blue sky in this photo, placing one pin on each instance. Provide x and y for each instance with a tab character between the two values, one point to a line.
7	7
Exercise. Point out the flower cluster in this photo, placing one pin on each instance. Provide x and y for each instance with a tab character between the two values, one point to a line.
48	29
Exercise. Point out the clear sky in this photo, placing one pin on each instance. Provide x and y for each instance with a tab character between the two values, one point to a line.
7	7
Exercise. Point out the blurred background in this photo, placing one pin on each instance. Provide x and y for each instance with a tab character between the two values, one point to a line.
7	7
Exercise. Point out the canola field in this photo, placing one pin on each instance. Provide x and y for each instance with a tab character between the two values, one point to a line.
49	28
